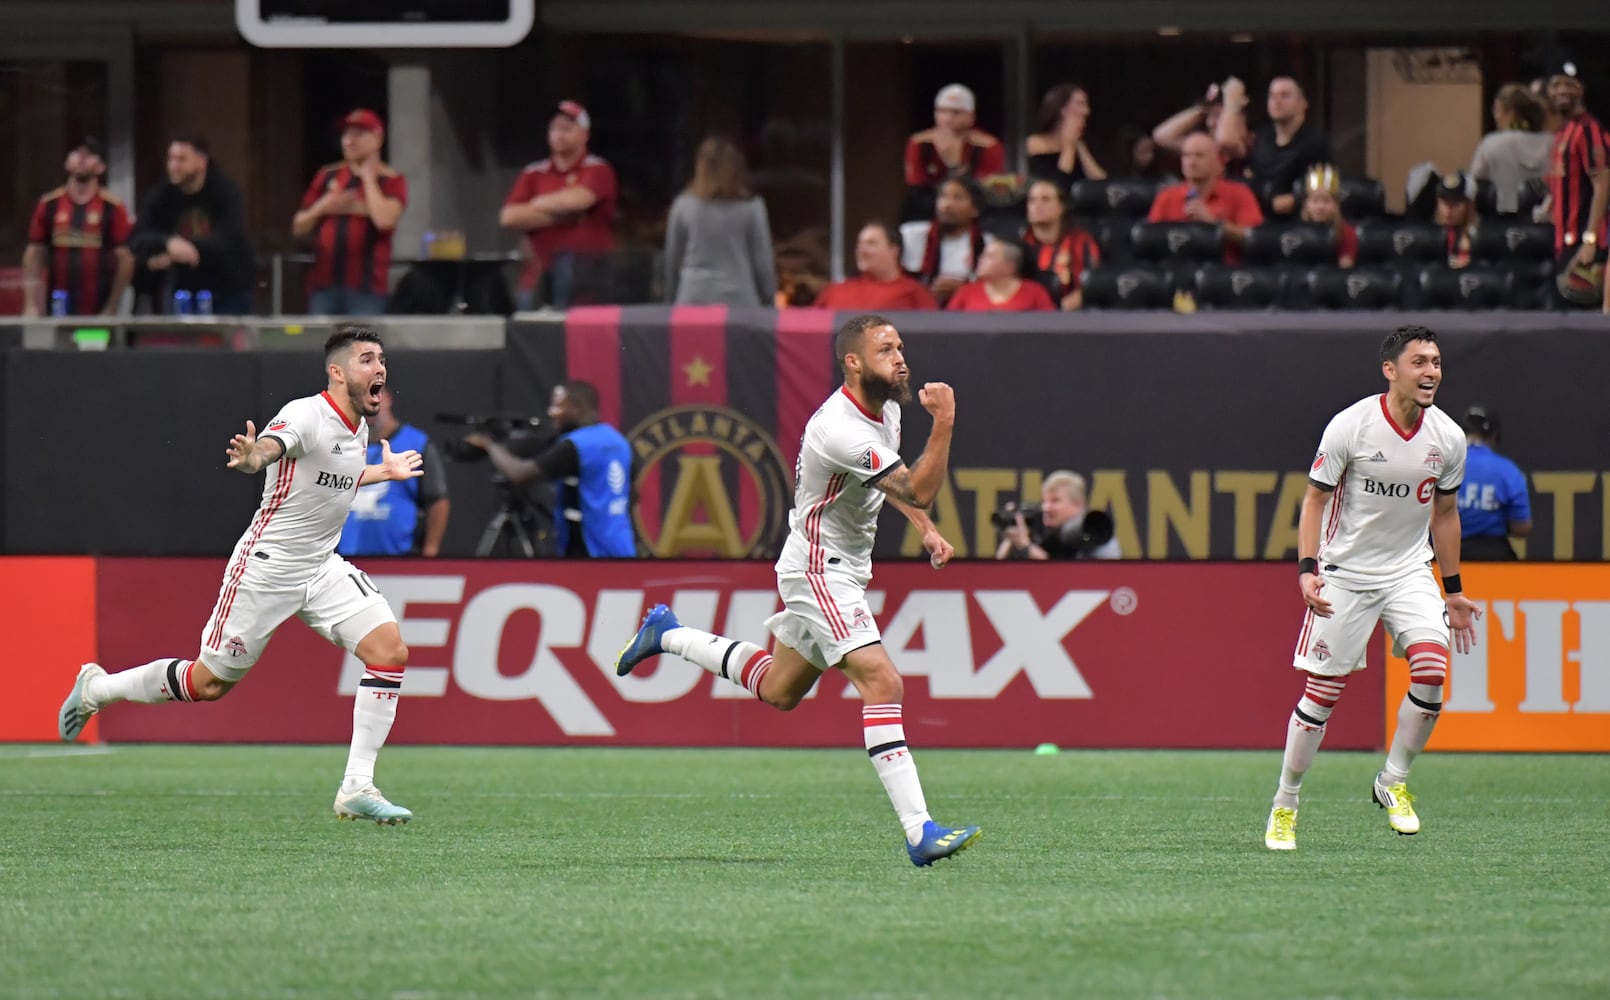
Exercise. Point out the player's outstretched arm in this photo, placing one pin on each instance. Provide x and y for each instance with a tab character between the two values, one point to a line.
250	454
1462	611
393	465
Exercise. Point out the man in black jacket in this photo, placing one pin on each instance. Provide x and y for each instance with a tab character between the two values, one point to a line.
191	234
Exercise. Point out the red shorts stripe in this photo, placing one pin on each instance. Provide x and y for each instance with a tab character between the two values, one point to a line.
226	599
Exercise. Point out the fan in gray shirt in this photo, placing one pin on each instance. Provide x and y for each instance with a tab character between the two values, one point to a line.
1517	150
717	240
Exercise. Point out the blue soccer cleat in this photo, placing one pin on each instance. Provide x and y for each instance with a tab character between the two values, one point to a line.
646	642
940	842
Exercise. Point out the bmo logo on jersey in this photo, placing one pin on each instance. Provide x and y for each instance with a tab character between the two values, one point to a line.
335	482
1422	492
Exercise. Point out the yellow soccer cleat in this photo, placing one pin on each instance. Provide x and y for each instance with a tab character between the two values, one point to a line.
1399	806
1281	834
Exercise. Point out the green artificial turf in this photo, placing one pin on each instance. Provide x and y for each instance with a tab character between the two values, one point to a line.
221	872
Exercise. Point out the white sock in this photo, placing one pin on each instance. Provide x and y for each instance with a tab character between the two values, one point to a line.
886	744
373	711
149	683
1417	715
743	663
1304	735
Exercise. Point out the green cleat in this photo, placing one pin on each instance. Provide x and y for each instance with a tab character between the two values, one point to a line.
1281	833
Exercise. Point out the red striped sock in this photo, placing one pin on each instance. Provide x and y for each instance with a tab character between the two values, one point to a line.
1420	708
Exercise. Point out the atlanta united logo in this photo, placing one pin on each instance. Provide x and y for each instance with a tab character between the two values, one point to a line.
709	482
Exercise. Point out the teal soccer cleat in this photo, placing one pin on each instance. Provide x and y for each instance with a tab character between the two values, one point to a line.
76	710
367	803
940	842
646	642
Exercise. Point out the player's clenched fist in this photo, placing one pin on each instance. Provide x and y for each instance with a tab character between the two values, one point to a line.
939	399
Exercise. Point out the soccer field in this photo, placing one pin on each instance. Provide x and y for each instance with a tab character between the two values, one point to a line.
221	872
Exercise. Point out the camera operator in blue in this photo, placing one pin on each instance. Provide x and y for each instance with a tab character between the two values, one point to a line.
1493	502
403	516
591	467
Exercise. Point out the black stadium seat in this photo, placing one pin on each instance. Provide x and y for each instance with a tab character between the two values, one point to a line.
1464	288
1362	198
1512	239
1112	234
1382	241
1132	287
1220	287
1291	243
1355	288
1198	242
1131	199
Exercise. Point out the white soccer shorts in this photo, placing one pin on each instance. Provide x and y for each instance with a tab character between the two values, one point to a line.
1335	646
825	617
341	604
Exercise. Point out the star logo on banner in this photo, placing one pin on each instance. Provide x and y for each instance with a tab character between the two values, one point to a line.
698	371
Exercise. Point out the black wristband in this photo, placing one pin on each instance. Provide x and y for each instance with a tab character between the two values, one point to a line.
1307	566
1451	585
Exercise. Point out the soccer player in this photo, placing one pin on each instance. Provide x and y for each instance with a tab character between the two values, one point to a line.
1387	473
285	564
849	462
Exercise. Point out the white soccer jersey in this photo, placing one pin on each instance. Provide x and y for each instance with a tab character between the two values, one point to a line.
307	493
844	451
1377	522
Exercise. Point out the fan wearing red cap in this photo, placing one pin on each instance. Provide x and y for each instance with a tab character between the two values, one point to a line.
565	206
350	210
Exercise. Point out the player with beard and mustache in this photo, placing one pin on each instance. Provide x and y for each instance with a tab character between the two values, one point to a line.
849	463
316	454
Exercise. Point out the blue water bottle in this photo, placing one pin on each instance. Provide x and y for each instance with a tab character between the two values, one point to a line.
59	305
204	303
181	303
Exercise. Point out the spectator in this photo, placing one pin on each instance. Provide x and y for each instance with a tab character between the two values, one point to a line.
403	516
1056	250
1517	150
591	467
191	233
1057	152
1579	192
1539	89
1205	196
1222	113
1145	158
1283	150
1456	213
952	148
565	206
1066	529
944	252
351	209
1493	502
880	285
717	241
78	242
1321	207
999	287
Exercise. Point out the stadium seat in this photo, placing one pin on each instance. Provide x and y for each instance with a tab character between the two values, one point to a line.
1532	193
1382	240
1120	287
1464	288
1532	284
1220	287
1355	288
1196	242
1362	198
1112	234
1291	243
1486	199
1131	199
1512	239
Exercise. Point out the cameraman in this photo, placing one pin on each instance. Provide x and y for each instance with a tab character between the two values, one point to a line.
591	468
1065	532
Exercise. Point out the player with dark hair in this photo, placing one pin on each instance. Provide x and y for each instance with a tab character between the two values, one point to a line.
1387	474
285	564
849	463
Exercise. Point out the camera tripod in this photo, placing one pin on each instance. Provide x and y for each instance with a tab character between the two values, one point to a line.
519	527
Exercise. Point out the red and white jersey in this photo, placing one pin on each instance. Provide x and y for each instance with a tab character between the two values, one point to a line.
1377	524
844	452
307	493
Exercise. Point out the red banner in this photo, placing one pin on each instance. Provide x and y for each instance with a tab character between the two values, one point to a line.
994	655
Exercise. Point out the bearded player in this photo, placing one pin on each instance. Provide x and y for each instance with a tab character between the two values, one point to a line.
849	463
1386	475
285	564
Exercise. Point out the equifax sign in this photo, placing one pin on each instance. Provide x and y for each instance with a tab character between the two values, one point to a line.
973	643
1539	675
